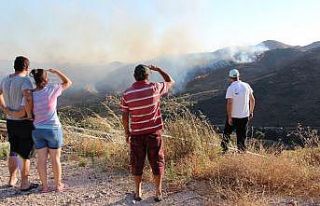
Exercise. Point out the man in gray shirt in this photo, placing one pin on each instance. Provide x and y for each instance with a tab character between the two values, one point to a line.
14	88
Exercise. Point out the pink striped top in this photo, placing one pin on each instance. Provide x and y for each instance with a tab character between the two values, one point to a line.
44	106
142	102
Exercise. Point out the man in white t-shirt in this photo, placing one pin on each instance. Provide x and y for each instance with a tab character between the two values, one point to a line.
240	107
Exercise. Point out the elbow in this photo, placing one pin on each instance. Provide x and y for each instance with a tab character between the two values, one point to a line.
67	84
171	81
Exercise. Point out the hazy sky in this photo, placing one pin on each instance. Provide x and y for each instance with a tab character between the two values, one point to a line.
100	31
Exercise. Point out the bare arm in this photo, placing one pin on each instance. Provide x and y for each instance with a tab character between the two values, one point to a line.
229	110
18	114
66	82
26	110
2	103
164	74
125	123
27	94
252	104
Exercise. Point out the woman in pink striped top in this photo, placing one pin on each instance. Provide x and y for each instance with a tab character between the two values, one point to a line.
47	136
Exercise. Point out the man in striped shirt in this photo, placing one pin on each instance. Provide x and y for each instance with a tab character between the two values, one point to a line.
143	124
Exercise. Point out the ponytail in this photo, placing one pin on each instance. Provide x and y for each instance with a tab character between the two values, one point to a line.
40	77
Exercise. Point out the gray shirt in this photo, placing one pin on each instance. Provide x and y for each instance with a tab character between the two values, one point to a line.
12	88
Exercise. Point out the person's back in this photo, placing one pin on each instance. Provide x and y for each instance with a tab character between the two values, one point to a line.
240	107
12	88
48	134
240	92
44	106
143	102
143	125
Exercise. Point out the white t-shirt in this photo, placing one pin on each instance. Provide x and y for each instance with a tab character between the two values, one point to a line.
239	92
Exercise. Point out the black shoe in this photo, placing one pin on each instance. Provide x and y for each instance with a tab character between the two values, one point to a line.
136	197
158	198
223	152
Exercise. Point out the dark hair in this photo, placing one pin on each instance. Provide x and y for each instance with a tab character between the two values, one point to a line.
141	72
234	78
40	77
21	63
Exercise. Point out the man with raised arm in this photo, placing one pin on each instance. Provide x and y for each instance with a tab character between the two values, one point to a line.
240	107
143	125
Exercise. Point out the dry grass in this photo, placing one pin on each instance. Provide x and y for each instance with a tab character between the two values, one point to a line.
272	175
193	155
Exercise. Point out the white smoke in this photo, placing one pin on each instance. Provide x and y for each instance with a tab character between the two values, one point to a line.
246	54
185	67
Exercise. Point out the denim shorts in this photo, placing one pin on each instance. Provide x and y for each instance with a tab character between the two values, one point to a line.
50	138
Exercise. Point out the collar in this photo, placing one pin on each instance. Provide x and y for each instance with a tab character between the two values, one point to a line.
236	82
140	83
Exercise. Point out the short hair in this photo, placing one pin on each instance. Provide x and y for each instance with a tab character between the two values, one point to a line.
21	63
234	78
141	72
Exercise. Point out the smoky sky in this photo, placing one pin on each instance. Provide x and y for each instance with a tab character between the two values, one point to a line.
80	31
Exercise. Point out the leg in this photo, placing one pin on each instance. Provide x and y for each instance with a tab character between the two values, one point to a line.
24	148
158	184
226	136
13	161
13	168
56	167
138	189
137	160
156	160
25	171
42	167
241	129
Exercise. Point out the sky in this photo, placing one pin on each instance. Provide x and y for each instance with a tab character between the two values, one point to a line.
102	31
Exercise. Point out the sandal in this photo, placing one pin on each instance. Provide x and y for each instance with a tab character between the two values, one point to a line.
31	186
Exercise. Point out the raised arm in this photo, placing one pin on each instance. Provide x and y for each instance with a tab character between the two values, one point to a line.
66	82
164	74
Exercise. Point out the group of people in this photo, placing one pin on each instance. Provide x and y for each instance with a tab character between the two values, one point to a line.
32	121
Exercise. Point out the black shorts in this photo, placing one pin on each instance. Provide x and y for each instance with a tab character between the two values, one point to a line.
20	137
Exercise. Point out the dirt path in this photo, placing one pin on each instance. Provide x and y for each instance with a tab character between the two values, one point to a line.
89	186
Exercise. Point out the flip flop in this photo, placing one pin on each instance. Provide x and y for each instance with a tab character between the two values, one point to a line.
31	186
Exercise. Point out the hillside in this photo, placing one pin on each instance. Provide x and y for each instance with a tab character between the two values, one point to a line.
95	163
285	83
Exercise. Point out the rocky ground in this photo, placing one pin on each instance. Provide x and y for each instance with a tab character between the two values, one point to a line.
90	185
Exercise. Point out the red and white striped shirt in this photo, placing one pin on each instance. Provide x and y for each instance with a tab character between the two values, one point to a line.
142	102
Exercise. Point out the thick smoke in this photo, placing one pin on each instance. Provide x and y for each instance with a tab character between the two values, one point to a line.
185	67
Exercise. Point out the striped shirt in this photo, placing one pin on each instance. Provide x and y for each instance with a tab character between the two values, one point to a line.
142	102
44	106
